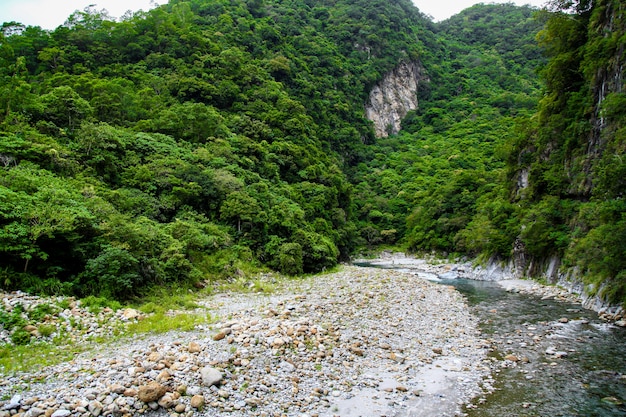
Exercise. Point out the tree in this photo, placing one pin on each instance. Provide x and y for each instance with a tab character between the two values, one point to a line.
65	108
240	207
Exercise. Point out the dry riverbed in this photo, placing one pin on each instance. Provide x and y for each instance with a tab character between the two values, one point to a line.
359	342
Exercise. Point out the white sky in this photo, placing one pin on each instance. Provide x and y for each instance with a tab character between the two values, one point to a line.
50	14
443	9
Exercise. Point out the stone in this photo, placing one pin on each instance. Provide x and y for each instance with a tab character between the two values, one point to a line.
397	357
511	358
219	336
34	412
563	320
14	403
163	376
95	408
130	392
210	376
197	401
356	350
151	392
61	413
194	347
167	401
287	367
180	408
278	342
253	402
117	388
438	350
130	314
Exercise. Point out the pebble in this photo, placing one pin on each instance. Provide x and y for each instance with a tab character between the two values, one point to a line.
298	351
210	376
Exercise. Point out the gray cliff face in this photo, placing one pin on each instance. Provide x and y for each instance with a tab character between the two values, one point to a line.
392	98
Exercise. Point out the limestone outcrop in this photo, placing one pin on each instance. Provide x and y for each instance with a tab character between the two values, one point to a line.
393	97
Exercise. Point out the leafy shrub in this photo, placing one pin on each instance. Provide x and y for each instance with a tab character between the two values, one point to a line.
20	337
114	273
40	311
290	259
14	319
95	304
318	251
46	330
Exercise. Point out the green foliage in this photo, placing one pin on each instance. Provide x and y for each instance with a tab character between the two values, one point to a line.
15	319
162	323
95	304
40	311
204	140
113	273
574	151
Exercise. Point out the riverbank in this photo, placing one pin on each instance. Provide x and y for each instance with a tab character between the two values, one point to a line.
361	341
436	269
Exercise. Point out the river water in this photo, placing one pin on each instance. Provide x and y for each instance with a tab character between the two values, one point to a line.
563	360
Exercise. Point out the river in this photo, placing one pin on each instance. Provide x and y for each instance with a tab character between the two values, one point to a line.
550	358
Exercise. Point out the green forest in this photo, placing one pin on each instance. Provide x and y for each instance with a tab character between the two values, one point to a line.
206	140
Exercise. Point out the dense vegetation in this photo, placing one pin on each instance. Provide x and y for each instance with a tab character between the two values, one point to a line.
201	139
187	142
440	182
573	150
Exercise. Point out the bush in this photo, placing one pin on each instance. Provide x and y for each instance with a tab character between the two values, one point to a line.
113	274
40	311
290	259
95	304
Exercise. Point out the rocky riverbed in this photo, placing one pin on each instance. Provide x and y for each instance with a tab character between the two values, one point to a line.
359	342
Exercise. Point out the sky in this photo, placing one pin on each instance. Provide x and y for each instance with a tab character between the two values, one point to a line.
50	14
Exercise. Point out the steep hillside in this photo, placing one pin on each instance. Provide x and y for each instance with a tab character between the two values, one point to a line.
201	140
188	142
433	186
568	169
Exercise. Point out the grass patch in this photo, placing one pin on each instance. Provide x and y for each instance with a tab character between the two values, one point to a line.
161	299
31	357
96	304
163	323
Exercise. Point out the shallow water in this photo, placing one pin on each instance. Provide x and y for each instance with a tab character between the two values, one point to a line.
586	376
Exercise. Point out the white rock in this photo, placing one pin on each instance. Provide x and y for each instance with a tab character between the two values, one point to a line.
210	376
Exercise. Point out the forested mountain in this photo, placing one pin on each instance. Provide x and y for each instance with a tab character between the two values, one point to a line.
204	139
567	169
188	142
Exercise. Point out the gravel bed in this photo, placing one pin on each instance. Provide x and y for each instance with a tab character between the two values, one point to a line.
359	342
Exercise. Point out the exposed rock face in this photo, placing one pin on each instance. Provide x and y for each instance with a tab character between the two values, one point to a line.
392	98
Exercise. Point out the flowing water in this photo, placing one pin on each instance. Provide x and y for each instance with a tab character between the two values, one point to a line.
569	363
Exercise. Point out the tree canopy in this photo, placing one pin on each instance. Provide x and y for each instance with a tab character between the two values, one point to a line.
199	139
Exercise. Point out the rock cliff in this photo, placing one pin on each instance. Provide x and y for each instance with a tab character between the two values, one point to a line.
393	97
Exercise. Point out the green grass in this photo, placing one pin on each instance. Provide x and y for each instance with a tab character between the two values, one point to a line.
35	356
163	323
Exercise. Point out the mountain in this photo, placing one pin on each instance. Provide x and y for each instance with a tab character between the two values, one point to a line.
206	140
567	169
198	140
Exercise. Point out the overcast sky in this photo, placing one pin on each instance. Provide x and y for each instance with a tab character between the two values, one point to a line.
49	14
